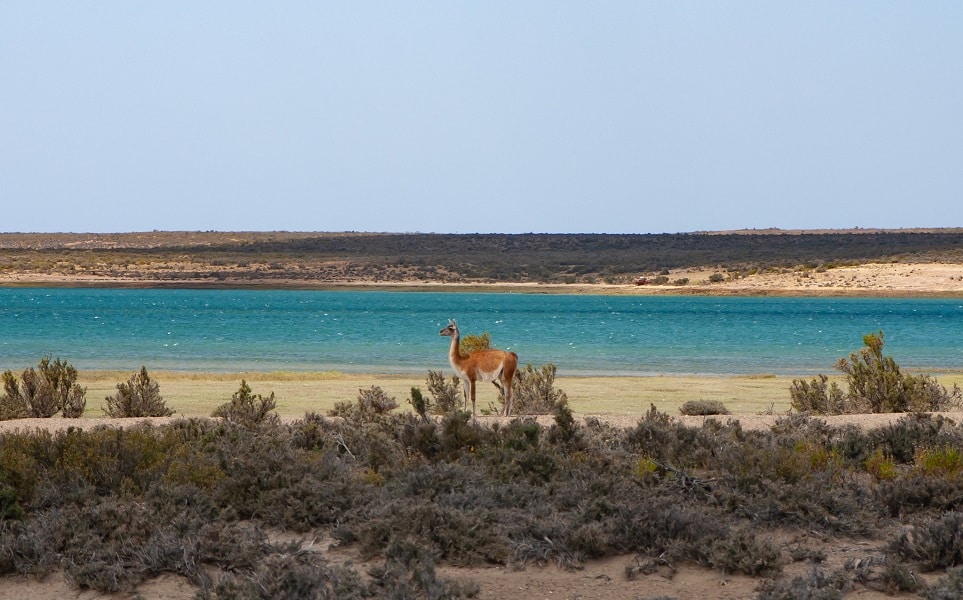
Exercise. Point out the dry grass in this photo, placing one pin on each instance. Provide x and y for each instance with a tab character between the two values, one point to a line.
198	394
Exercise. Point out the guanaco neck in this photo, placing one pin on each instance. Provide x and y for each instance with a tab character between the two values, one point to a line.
454	353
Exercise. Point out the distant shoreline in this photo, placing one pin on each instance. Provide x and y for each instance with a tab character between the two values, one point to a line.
878	280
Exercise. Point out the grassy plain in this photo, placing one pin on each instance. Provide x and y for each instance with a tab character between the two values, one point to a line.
198	394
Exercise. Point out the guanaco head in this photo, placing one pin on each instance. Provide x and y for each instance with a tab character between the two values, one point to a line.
451	330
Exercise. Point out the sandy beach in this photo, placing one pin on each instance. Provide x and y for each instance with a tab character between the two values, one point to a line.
871	279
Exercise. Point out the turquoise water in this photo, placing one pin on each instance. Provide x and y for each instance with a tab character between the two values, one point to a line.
264	330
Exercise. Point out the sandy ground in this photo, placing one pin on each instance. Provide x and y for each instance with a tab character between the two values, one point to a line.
872	279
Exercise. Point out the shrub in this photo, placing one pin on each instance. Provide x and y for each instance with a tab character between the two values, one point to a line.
947	588
875	384
138	397
880	466
913	431
936	544
247	409
445	393
9	507
565	430
703	407
419	403
817	586
371	404
43	392
816	397
741	552
533	390
472	342
939	462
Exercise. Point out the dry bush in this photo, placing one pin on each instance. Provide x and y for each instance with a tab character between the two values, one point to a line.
703	408
43	392
445	394
947	588
742	552
935	543
196	497
817	397
816	586
248	409
901	440
139	396
371	405
534	392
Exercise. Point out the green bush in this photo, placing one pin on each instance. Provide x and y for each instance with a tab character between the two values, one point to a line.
419	403
472	342
371	404
138	397
43	392
875	384
817	397
248	409
703	408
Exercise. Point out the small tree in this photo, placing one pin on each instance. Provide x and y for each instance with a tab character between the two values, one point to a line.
248	409
138	397
419	403
43	392
874	380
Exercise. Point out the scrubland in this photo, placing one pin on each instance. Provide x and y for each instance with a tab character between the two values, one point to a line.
389	504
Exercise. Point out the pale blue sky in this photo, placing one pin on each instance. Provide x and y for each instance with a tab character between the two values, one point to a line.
637	117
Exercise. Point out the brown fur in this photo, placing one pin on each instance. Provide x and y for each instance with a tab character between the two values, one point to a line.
497	366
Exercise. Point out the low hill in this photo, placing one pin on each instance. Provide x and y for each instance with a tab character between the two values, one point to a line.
292	258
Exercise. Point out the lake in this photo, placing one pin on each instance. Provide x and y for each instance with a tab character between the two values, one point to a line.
397	332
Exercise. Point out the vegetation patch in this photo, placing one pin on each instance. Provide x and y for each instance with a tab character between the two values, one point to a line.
43	392
139	396
876	384
163	258
703	408
197	498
